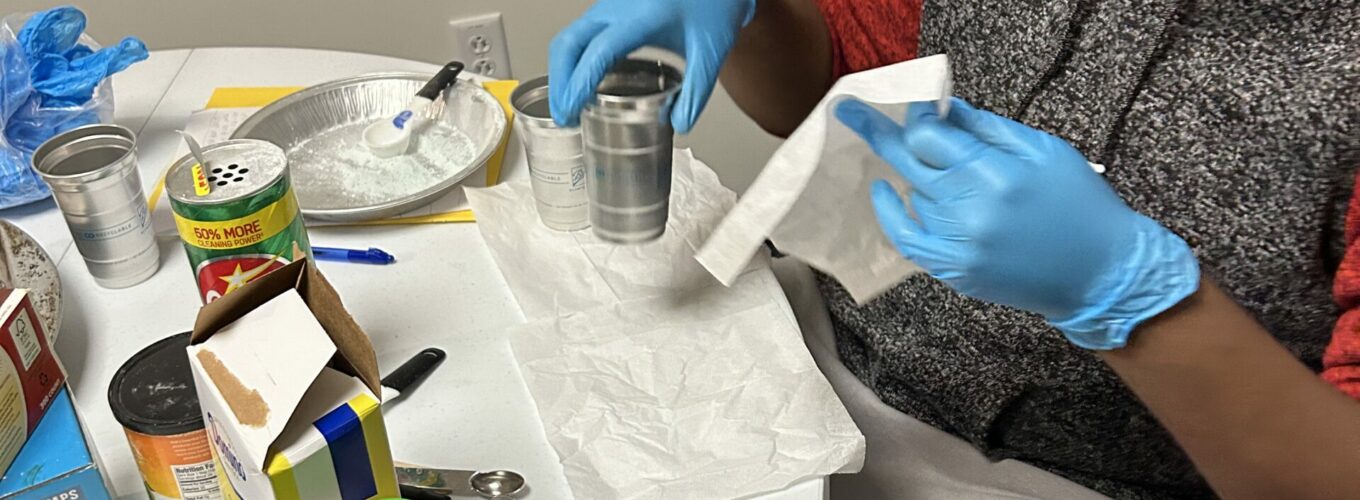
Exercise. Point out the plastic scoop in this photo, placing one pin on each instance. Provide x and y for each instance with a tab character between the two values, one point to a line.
387	138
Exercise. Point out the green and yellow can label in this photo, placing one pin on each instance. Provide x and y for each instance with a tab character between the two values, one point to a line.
240	232
229	252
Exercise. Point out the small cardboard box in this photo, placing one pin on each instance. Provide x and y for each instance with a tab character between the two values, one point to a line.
288	384
29	373
59	462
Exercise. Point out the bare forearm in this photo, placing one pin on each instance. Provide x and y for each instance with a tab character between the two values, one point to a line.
1256	422
781	64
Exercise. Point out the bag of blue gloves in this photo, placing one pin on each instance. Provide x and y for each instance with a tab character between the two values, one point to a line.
52	79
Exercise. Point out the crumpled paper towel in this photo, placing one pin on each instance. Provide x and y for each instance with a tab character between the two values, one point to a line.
812	198
652	380
551	270
708	395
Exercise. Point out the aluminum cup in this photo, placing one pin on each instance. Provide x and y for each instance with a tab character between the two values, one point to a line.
92	171
557	169
628	136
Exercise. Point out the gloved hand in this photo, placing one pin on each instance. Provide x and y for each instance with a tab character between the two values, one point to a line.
703	31
1015	216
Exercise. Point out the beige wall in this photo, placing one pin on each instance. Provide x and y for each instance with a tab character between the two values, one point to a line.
413	29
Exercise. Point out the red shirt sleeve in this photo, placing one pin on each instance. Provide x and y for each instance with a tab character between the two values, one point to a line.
1341	361
866	34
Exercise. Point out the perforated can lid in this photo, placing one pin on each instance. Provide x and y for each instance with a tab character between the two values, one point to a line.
236	169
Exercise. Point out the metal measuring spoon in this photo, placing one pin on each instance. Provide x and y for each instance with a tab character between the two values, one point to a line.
496	484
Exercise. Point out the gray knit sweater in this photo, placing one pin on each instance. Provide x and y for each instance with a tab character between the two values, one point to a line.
1235	123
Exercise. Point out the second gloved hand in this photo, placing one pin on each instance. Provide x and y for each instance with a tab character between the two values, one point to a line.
1015	216
703	31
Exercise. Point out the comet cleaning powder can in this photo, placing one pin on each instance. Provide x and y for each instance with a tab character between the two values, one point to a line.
238	215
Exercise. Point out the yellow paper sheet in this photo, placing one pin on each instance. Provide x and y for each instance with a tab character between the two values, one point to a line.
255	97
247	97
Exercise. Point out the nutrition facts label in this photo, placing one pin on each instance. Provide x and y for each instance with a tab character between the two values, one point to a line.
197	481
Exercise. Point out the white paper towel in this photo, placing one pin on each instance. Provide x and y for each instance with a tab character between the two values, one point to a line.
550	270
706	395
652	380
812	198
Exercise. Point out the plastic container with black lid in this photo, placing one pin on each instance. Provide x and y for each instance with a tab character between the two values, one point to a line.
153	396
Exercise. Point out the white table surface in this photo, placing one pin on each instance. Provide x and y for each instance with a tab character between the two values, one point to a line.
474	411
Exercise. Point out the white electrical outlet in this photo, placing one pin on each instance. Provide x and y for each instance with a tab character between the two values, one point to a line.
479	41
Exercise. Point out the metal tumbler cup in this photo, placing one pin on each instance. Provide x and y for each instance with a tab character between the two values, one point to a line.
557	170
628	136
92	171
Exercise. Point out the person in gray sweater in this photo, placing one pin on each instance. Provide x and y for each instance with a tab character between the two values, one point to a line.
1152	333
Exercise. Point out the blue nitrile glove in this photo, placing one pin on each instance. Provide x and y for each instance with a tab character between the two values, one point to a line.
65	74
47	86
1009	214
703	31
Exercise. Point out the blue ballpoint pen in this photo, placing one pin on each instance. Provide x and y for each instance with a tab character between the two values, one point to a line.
370	256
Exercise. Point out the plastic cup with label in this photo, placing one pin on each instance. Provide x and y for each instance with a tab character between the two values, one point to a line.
557	167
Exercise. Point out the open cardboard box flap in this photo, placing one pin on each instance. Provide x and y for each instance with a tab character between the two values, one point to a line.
354	352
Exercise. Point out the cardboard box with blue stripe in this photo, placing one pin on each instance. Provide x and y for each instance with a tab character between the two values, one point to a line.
288	383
